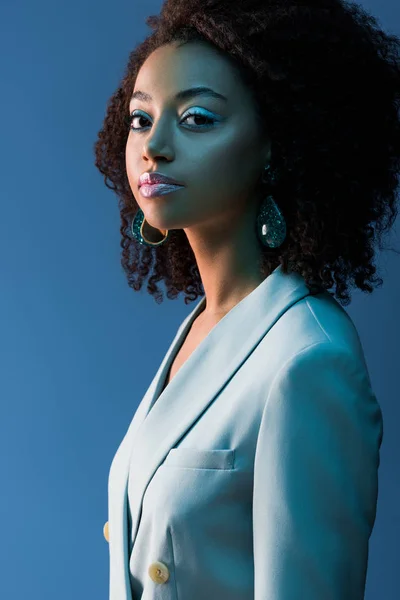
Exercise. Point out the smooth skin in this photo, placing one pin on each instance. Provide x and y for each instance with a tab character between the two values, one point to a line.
220	164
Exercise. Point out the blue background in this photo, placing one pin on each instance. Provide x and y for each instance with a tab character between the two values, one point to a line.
79	347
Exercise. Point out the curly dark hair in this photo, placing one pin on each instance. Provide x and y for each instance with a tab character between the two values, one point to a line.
326	80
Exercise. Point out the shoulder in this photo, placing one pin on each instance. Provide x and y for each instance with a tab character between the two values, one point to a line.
319	325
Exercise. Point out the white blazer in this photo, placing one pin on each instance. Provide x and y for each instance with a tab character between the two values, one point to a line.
254	476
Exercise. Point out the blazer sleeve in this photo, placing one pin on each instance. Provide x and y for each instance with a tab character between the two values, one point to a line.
316	478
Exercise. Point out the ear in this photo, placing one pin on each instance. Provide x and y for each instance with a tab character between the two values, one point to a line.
265	146
268	152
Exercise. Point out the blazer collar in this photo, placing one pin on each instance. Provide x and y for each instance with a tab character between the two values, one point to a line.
159	423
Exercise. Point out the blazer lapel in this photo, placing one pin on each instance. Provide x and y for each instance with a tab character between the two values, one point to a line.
159	423
119	580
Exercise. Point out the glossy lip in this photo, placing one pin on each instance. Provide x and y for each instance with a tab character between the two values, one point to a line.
161	189
151	178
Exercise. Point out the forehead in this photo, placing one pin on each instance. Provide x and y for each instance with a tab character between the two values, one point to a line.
172	68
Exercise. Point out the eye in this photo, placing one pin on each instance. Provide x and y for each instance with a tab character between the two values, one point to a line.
196	114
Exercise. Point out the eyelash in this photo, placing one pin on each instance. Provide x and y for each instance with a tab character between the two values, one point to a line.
193	113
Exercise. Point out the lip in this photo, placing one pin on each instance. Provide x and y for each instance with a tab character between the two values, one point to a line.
158	189
151	178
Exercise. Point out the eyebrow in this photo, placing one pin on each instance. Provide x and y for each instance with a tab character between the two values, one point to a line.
182	95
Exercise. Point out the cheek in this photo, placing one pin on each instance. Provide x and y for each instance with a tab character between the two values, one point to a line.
132	175
232	162
227	175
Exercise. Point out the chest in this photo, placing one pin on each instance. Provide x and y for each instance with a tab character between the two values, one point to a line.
194	337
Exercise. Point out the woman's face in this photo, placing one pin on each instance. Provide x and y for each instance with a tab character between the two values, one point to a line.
219	161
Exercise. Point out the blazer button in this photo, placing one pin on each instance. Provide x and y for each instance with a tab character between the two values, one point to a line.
105	531
158	572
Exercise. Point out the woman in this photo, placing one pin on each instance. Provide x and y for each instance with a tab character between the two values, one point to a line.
250	469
